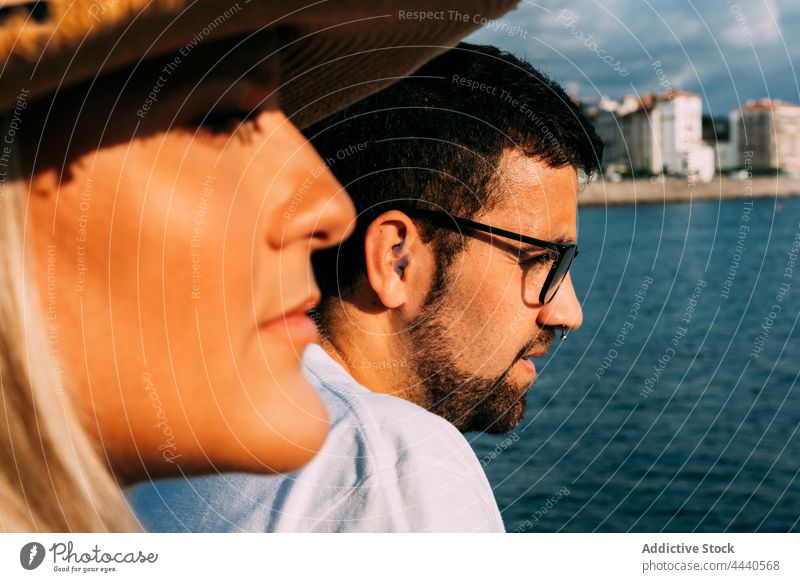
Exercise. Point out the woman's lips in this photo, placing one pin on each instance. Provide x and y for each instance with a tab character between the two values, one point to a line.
295	327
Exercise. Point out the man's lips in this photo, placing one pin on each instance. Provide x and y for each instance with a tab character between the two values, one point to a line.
526	361
528	366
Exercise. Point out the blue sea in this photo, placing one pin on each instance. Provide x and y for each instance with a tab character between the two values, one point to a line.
676	406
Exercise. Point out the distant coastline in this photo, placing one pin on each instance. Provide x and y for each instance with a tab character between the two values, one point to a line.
606	192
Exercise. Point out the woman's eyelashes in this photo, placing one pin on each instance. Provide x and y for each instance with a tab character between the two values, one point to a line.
224	121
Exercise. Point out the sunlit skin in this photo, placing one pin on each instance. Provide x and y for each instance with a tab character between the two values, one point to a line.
197	243
487	313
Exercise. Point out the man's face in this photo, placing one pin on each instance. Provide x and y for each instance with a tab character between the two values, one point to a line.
482	316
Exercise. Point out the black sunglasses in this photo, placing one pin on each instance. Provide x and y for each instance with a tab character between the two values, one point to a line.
558	270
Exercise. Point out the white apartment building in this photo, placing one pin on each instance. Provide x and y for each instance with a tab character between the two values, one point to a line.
656	133
765	134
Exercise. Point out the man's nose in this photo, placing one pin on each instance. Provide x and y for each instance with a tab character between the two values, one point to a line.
564	311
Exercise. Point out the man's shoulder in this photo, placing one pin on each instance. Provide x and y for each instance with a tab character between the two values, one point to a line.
415	470
392	427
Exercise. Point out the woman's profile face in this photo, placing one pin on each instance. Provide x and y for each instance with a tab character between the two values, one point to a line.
173	265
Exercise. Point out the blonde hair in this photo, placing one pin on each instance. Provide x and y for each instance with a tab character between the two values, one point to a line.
52	477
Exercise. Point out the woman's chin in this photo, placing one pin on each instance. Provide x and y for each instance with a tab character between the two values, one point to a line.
270	430
288	435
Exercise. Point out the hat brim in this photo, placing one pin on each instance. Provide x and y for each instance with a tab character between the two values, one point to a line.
333	52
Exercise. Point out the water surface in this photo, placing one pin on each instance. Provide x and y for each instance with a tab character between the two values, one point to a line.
690	421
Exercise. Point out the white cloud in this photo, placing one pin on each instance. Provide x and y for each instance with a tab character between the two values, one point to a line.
754	23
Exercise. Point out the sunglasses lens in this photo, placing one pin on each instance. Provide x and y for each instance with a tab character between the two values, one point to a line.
561	273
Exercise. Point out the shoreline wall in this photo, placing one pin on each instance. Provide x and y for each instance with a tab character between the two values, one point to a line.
604	192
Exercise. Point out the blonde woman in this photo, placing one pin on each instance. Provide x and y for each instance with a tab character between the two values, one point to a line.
158	208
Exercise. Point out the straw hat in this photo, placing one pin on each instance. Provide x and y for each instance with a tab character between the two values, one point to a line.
333	53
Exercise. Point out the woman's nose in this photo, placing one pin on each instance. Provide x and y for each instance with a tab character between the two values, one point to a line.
325	216
564	311
319	210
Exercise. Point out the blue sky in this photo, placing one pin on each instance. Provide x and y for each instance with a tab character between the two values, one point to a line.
727	51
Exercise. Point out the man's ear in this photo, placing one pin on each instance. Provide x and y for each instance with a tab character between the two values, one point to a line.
389	246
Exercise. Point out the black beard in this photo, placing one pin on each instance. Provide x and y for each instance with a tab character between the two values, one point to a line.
467	401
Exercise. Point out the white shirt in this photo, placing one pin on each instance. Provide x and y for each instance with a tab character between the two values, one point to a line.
387	466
